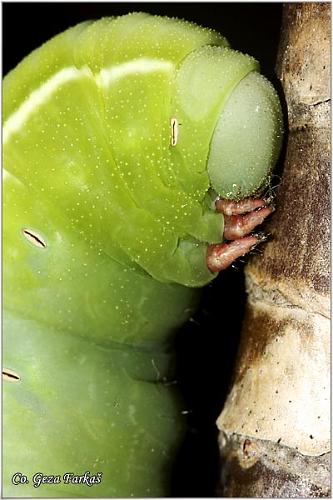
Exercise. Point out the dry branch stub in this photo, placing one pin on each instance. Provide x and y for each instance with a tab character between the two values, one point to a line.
280	398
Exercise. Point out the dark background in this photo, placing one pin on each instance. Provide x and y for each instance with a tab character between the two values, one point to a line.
207	346
250	27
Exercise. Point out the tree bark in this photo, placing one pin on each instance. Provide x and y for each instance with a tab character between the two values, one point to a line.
275	425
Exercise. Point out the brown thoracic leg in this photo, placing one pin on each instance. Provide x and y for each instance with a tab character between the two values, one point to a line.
237	226
222	255
229	207
240	218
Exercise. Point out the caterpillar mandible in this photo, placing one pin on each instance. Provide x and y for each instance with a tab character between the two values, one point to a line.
132	146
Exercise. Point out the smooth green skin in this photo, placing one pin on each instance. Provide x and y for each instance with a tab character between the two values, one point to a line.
127	219
89	398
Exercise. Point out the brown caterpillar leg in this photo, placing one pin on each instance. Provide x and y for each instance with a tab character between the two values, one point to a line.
240	218
237	226
222	255
229	207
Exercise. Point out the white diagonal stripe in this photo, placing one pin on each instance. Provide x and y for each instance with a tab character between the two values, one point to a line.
39	96
103	79
142	65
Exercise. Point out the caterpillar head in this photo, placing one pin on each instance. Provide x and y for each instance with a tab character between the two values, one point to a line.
247	139
235	118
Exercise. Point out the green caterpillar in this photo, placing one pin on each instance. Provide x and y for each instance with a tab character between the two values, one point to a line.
118	136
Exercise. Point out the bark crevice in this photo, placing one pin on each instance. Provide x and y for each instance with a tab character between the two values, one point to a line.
273	296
